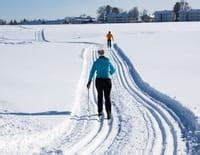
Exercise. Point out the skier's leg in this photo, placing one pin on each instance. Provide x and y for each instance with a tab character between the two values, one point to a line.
107	91
107	43
100	95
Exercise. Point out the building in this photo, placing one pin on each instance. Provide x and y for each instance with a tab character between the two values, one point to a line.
81	20
186	13
193	15
183	15
147	18
189	15
164	16
133	19
118	18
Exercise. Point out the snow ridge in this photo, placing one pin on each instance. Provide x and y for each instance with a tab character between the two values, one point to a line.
165	127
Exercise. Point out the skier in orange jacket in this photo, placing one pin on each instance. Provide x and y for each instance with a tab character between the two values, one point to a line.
109	37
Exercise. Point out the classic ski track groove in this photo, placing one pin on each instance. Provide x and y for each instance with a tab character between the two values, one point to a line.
119	130
124	80
70	141
160	108
120	78
93	101
111	125
98	134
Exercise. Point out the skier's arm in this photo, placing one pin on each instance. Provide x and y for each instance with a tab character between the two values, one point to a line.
112	69
92	71
112	38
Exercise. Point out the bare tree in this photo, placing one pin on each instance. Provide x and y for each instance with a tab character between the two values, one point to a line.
108	9
145	12
101	13
134	13
115	10
176	9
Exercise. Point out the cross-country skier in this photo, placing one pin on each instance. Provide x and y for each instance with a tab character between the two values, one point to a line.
103	69
109	37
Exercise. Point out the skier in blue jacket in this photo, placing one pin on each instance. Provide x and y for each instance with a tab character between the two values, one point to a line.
103	69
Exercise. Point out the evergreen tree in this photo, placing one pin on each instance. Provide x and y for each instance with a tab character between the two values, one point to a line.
2	22
15	22
11	22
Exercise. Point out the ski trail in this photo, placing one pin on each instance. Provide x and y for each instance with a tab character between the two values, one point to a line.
148	122
159	121
106	136
118	136
159	113
85	136
82	120
101	135
40	36
123	81
187	120
103	131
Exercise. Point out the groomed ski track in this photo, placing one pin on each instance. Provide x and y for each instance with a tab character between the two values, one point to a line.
144	120
139	125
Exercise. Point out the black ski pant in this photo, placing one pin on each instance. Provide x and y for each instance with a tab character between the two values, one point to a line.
103	87
109	43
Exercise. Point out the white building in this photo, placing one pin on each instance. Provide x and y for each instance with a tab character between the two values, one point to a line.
164	16
194	15
189	15
118	18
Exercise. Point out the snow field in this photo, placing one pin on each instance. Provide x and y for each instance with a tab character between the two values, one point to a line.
144	120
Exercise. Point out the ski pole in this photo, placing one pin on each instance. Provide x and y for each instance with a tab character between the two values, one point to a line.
88	96
88	103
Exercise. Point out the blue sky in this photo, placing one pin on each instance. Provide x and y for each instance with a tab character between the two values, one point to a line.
53	9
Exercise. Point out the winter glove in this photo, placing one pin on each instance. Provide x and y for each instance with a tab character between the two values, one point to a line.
88	84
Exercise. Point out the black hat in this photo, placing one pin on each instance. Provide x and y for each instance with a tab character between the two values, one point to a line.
101	52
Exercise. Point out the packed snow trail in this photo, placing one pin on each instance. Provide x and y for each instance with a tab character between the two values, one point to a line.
40	36
186	120
160	117
88	135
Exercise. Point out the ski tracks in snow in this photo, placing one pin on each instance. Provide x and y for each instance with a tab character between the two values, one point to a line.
140	123
164	132
124	133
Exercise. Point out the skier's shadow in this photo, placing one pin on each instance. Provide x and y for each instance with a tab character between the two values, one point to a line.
92	117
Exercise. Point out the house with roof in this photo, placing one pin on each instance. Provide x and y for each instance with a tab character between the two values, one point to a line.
164	16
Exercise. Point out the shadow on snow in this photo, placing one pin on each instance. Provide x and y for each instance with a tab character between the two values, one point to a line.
47	113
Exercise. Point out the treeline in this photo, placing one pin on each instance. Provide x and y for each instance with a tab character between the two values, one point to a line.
82	19
33	22
107	13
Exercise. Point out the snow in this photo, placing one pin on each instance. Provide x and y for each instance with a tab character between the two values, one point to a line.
43	75
167	57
